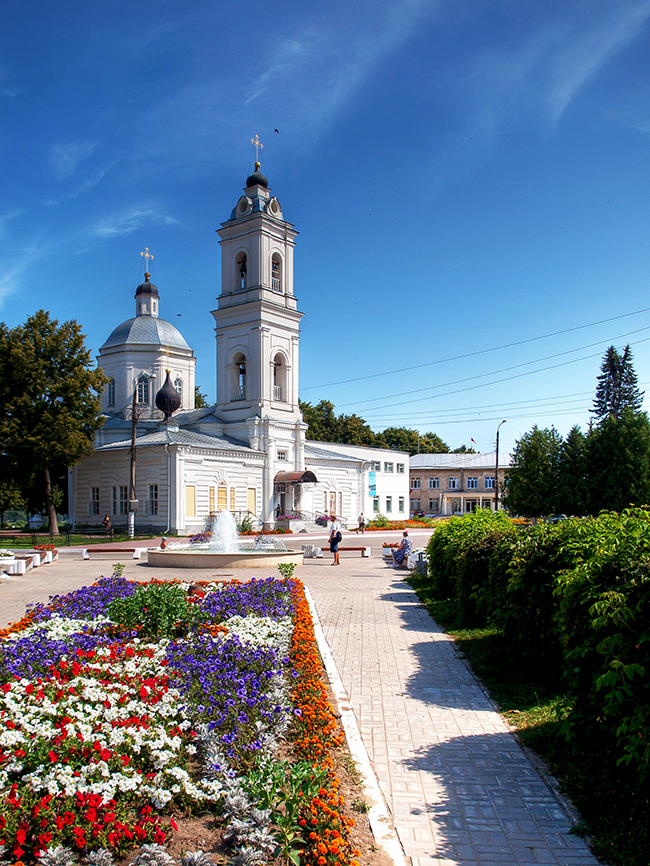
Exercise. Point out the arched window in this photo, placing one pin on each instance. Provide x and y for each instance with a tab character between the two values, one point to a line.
239	389
110	399
143	390
279	378
276	272
178	385
240	271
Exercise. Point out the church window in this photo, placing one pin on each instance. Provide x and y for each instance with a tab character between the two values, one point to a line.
178	385
152	503
143	390
279	378
276	273
190	501
93	505
282	455
111	393
240	378
241	270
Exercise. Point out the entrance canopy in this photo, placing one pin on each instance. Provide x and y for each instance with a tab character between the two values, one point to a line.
305	477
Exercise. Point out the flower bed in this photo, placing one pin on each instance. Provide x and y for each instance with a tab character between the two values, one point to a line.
125	706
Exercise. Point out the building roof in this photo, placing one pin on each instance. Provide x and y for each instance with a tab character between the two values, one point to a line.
317	453
146	331
181	437
459	461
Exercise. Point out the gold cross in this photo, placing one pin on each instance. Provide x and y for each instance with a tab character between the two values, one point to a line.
258	145
146	255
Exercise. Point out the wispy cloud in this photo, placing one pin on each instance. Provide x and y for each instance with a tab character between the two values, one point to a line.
128	220
13	269
66	158
6	218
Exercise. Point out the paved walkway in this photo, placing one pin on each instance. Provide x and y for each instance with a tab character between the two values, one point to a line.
460	789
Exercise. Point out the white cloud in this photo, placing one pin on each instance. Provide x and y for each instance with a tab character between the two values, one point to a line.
126	221
66	158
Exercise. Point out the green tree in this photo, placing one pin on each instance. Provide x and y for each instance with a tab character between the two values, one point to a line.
200	399
405	439
618	387
49	398
619	462
573	474
11	498
532	479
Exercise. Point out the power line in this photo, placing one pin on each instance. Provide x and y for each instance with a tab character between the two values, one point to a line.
479	352
502	370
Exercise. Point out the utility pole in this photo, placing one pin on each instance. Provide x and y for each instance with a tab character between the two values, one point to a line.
496	472
133	502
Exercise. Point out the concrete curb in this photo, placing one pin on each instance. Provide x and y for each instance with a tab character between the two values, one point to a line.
380	821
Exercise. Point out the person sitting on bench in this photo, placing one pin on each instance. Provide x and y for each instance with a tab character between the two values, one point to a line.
404	549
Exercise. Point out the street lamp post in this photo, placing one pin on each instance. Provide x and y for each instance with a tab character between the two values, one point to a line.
496	471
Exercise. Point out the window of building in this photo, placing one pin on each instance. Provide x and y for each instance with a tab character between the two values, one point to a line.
213	500
401	504
434	483
453	482
120	500
282	455
240	271
489	482
375	466
389	504
276	272
143	390
232	499
110	398
190	501
222	498
375	505
279	378
400	468
388	467
239	385
432	504
152	502
415	504
415	483
472	482
93	505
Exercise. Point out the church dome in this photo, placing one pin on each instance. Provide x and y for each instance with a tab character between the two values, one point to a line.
146	331
146	288
257	178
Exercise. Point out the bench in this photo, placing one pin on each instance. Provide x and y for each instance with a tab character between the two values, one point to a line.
136	551
365	551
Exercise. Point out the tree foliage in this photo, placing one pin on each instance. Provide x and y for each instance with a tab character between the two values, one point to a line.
618	387
200	399
49	398
532	479
326	426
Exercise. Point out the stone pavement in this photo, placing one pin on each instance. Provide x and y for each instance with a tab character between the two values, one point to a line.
460	789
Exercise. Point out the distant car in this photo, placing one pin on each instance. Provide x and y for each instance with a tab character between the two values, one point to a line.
418	514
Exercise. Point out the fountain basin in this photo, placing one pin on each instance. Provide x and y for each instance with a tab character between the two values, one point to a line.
206	558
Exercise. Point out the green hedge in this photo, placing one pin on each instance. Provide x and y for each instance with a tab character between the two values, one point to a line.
573	603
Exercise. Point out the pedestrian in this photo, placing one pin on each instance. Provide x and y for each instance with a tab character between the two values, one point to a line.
362	524
335	538
106	523
404	549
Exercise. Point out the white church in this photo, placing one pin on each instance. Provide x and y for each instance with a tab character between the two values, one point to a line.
249	452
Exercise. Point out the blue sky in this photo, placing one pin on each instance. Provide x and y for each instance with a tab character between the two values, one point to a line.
470	180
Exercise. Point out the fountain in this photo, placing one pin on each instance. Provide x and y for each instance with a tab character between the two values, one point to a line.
219	546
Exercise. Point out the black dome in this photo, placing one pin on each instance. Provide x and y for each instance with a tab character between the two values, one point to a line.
257	178
147	288
168	399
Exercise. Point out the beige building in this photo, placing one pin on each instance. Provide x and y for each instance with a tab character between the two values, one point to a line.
454	483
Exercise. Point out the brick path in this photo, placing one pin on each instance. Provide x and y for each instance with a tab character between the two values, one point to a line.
461	790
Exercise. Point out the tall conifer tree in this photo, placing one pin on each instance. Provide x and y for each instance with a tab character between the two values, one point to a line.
618	387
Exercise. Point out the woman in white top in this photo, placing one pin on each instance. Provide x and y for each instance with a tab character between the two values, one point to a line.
335	537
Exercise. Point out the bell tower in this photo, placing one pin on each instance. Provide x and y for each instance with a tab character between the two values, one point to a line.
258	332
257	320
